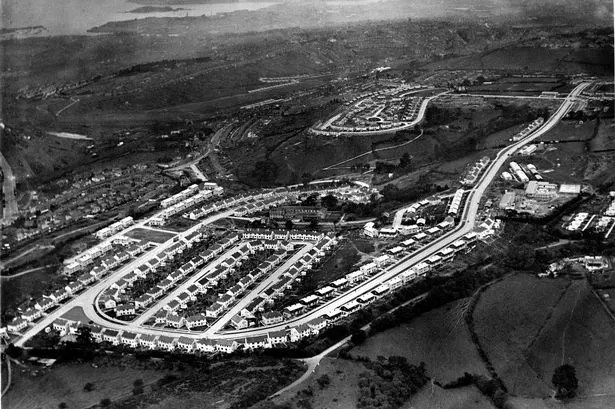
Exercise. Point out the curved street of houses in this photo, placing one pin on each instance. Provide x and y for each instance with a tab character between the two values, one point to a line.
467	222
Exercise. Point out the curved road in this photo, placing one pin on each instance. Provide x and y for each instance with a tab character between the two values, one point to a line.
466	225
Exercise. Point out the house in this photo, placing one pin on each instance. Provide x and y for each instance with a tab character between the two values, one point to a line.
226	345
226	300
161	316
59	295
166	343
130	339
112	336
325	291
44	304
318	324
97	332
185	344
300	332
270	318
195	321
257	342
205	345
310	300
147	341
60	325
143	301
108	302
86	279
214	310
125	309
366	298
239	322
73	287
381	290
172	306
278	337
175	321
31	314
17	324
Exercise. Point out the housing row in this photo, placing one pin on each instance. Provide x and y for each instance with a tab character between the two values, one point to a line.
472	174
162	217
528	130
192	345
114	228
115	297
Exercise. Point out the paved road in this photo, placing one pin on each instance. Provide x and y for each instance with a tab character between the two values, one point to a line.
8	188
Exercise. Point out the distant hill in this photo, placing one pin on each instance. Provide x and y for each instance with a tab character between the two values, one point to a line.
154	9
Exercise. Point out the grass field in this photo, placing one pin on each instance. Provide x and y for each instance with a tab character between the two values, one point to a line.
439	338
342	392
507	318
149	235
605	138
528	327
14	290
581	334
570	130
432	396
76	314
47	388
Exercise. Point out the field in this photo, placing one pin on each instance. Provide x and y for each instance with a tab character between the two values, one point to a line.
597	60
76	314
570	131
16	289
579	333
432	396
507	318
529	326
146	235
439	338
605	137
47	388
342	392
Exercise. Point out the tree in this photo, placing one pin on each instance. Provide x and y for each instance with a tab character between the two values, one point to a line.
565	381
289	225
137	383
329	201
88	387
323	381
84	337
358	337
105	402
62	405
313	224
404	161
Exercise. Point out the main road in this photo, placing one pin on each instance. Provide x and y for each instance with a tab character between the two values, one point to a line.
466	225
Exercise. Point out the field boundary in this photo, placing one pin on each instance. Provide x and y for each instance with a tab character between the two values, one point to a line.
469	319
548	317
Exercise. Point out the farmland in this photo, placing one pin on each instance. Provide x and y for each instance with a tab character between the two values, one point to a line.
439	338
529	326
432	396
65	383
